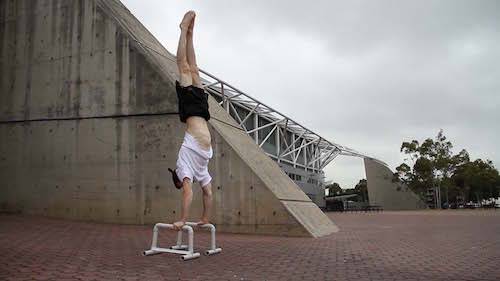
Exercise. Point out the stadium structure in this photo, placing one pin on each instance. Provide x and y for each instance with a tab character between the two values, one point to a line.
301	153
88	128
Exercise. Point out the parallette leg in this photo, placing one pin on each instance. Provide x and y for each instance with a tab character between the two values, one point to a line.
213	248
179	245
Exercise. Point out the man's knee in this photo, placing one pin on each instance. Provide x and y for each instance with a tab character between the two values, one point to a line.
195	76
207	190
183	65
193	68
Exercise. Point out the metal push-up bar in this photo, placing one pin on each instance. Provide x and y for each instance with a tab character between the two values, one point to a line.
187	251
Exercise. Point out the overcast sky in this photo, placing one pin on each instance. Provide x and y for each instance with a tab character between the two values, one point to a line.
365	74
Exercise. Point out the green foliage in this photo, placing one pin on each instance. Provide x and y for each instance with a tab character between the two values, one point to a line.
477	180
432	163
362	190
333	189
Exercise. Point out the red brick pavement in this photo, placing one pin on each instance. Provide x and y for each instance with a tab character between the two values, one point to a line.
419	245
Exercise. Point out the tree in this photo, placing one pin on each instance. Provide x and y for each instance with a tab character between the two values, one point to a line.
362	190
432	164
477	180
334	189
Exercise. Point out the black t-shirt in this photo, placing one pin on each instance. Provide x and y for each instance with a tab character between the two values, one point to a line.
192	102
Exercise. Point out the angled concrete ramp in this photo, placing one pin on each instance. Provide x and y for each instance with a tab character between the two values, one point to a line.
87	130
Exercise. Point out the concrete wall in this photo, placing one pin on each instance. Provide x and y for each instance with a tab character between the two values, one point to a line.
383	192
316	192
100	87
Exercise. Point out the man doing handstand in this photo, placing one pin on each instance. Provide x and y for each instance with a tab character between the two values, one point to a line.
196	149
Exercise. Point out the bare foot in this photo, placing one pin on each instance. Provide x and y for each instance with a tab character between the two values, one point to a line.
191	25
187	20
179	224
202	221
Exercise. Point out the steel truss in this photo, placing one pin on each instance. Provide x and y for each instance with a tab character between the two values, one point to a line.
294	144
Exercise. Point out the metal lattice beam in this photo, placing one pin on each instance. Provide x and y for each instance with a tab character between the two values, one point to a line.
317	151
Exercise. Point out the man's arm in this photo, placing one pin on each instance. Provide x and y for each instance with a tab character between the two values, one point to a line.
187	197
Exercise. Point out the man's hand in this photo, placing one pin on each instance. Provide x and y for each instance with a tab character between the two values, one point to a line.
179	224
202	221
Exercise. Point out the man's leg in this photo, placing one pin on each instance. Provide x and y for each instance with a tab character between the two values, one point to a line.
185	78
187	197
191	56
207	203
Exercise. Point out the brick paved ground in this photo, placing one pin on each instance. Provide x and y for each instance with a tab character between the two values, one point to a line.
419	245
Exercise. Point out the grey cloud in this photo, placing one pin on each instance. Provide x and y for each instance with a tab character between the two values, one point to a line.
366	74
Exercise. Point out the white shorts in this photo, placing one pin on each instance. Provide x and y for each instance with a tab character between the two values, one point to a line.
192	161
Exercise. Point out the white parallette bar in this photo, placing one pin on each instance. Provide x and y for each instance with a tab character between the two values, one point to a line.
187	251
186	254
